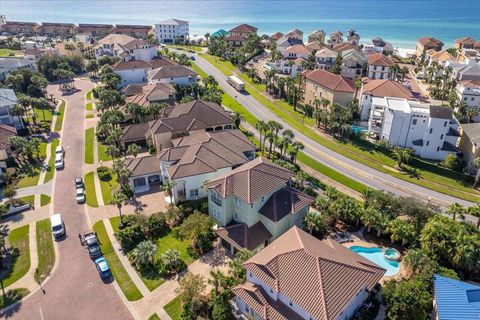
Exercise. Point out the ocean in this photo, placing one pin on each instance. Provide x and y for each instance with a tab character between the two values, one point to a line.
400	22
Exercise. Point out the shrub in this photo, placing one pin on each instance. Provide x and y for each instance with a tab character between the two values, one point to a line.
171	261
156	224
142	256
104	173
130	236
152	150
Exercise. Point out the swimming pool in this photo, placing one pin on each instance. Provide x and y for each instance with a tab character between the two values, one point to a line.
357	129
377	256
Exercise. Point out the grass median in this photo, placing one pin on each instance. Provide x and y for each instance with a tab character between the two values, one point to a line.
46	252
89	144
108	187
51	162
124	281
174	308
18	261
431	175
90	191
60	116
102	154
12	296
89	95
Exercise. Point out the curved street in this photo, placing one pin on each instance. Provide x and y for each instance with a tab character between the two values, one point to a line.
74	290
357	171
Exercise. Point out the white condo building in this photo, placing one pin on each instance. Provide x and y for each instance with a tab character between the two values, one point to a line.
468	91
169	30
431	131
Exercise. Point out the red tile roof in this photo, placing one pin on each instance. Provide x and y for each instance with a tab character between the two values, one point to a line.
378	59
465	40
430	41
298	49
320	276
387	88
276	36
330	81
244	28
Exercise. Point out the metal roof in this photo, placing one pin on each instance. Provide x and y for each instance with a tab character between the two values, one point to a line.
456	299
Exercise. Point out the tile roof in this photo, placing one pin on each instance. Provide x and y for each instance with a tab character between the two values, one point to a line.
132	64
174	22
172	71
320	276
298	49
470	83
251	181
378	59
143	165
204	152
260	301
331	81
344	46
440	56
244	28
115	38
326	52
240	236
288	42
456	299
284	202
472	131
235	38
276	36
430	41
314	45
134	132
161	62
294	32
135	44
466	40
6	132
440	112
387	88
149	93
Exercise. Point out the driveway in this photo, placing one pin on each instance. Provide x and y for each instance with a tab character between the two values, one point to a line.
75	290
328	157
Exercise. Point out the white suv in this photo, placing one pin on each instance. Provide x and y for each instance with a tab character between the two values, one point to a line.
59	150
59	163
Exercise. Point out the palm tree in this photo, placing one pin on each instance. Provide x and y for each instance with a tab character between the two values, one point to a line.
119	197
395	69
135	110
133	149
271	139
156	109
287	139
475	211
296	146
477	175
171	259
144	253
369	217
301	176
168	186
455	210
471	113
237	118
403	155
316	103
262	128
313	222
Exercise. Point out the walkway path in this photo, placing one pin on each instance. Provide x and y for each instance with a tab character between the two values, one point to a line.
45	188
27	217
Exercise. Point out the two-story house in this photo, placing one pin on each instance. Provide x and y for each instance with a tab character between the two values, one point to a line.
335	38
426	43
468	91
136	71
465	43
254	204
317	35
299	277
8	100
125	47
379	66
353	63
325	58
323	84
293	58
177	74
239	35
190	161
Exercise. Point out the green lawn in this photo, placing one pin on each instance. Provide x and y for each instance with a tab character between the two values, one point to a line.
20	254
13	296
184	47
39	114
89	138
90	191
60	116
102	156
44	200
432	177
199	71
31	174
46	252
89	96
154	317
8	52
43	150
115	222
107	188
120	274
89	116
51	162
174	308
89	106
28	199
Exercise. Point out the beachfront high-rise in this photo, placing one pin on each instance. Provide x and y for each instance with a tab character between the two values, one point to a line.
168	31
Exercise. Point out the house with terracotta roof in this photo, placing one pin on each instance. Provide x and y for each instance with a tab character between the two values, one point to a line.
295	34
465	43
133	30
299	277
314	45
147	94
381	88
353	37
277	35
136	71
255	204
125	47
239	35
317	35
335	38
190	161
333	87
325	58
427	43
379	66
292	59
284	43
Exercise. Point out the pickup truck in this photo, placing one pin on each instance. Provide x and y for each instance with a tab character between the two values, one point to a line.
90	241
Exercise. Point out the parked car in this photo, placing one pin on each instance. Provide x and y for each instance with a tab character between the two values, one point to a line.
103	268
80	195
192	58
58	227
59	163
16	208
79	183
91	242
59	150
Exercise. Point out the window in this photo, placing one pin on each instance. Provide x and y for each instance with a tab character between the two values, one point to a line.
431	129
215	197
441	136
438	149
428	142
193	192
238	201
263	198
472	98
235	215
271	291
290	304
414	122
445	123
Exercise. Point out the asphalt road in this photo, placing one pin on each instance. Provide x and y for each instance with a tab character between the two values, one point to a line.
357	171
75	290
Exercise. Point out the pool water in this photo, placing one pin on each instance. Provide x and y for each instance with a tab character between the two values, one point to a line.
376	256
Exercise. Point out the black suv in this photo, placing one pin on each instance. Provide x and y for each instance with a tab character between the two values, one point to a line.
91	242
